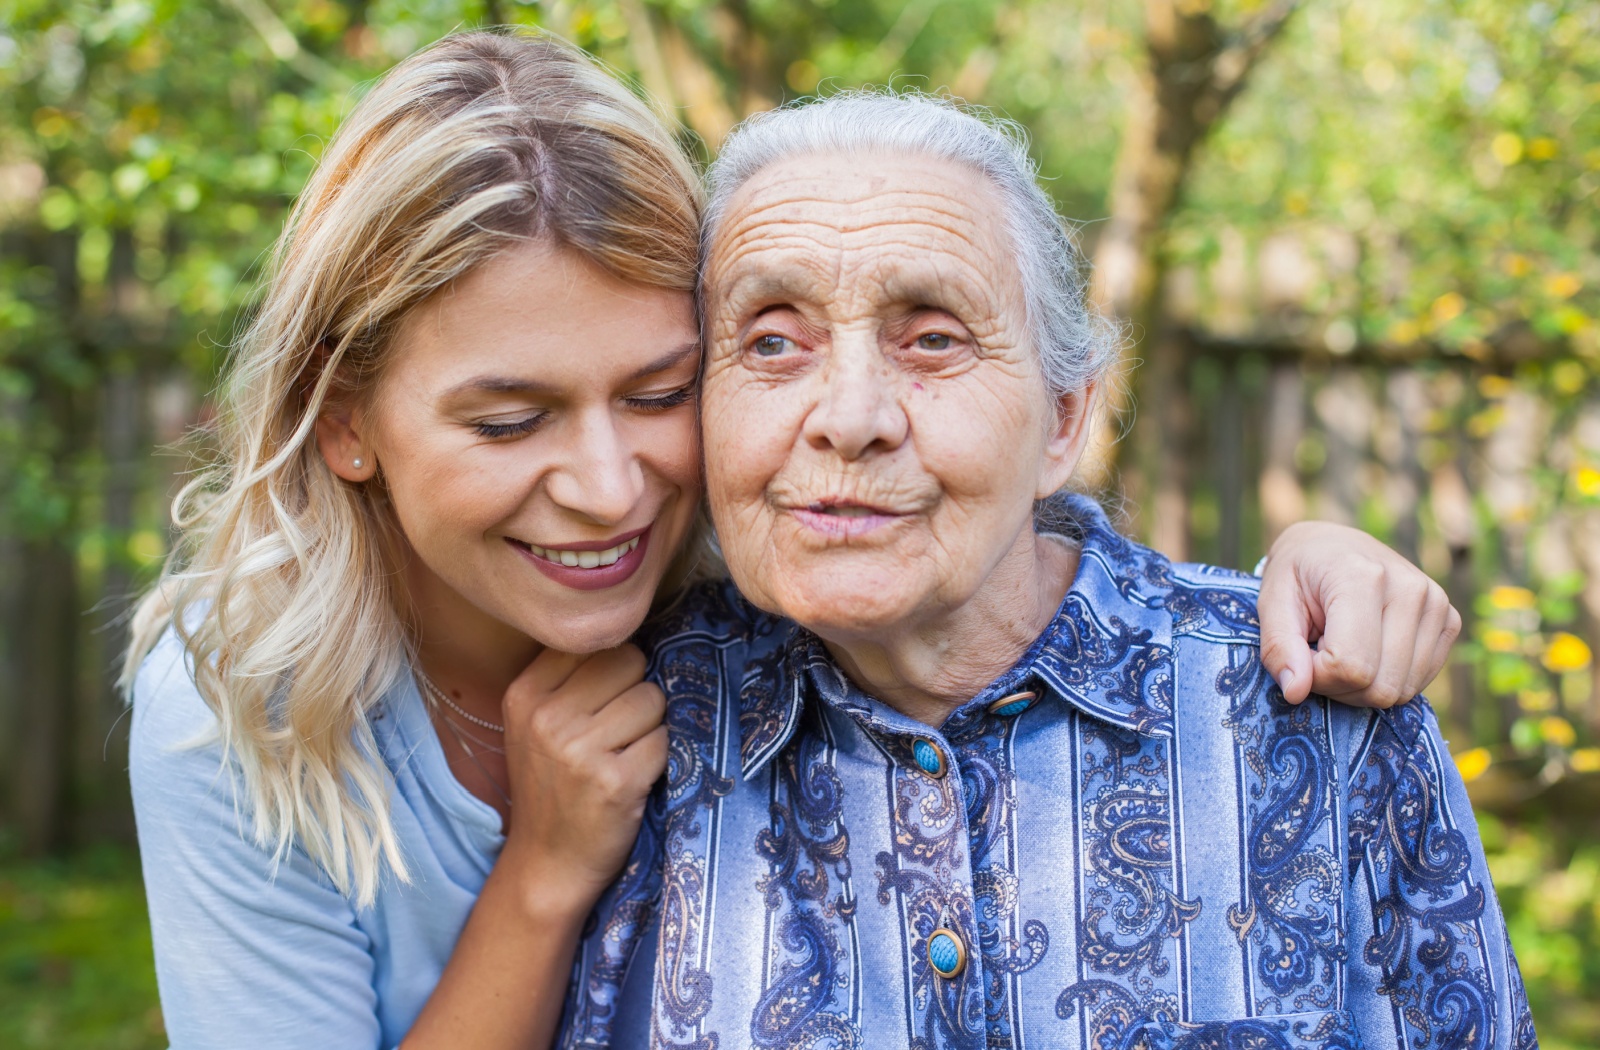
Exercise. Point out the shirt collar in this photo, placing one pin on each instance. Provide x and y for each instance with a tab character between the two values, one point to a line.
1107	652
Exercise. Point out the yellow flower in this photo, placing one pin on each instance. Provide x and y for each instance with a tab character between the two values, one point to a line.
1558	731
1568	377
1587	481
1404	332
1567	652
1500	640
1516	265
1563	285
1536	700
1586	760
1447	307
1494	387
1507	148
1543	148
1512	598
1473	764
1484	423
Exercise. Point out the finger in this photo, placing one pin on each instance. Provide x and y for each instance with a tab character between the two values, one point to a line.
648	755
1432	662
1403	624
1351	647
547	672
628	717
603	677
1285	633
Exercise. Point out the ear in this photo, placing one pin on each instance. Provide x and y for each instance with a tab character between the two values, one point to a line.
1067	440
342	440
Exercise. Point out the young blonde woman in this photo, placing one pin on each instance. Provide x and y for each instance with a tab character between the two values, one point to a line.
390	742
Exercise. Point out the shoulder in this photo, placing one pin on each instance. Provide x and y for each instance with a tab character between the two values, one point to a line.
1213	603
169	714
712	612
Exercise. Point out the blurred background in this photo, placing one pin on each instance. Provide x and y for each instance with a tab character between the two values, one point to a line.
1356	240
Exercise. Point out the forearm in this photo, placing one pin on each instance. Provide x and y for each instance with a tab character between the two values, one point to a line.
506	981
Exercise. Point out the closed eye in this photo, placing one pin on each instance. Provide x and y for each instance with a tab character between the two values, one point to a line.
515	429
661	402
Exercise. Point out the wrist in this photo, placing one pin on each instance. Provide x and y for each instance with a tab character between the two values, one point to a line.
549	888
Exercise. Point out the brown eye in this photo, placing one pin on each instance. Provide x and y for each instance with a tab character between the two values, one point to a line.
933	341
771	345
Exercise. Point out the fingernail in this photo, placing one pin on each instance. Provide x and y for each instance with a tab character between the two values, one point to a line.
1285	680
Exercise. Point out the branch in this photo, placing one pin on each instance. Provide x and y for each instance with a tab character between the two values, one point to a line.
283	44
1236	60
644	46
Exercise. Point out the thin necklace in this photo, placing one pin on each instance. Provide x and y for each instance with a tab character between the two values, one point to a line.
483	745
439	695
481	768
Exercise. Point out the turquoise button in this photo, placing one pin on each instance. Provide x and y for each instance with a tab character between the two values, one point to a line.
1013	705
946	954
929	758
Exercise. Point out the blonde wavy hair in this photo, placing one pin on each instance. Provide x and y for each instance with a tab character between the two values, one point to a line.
282	586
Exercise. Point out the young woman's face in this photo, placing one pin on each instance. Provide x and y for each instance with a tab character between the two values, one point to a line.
536	430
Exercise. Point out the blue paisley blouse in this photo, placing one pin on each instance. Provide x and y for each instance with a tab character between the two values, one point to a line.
1148	848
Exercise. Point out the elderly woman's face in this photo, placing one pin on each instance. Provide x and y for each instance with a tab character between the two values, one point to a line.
876	426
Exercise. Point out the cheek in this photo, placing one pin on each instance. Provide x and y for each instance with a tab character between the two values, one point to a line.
446	493
670	448
748	428
980	445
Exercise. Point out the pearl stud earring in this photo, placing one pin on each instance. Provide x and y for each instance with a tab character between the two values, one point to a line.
358	463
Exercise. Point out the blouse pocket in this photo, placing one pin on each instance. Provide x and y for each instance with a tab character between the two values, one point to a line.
1315	1030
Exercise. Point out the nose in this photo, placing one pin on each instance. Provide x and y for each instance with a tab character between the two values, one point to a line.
601	477
858	410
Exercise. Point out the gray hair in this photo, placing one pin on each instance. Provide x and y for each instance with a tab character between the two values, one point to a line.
1076	345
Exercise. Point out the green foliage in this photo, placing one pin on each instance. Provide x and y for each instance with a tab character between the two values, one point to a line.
76	969
1442	158
1547	875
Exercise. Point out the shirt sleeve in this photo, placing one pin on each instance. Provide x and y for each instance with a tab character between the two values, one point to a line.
1430	962
248	952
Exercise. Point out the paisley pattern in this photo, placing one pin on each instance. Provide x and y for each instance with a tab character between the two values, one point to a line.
808	885
1290	914
1158	853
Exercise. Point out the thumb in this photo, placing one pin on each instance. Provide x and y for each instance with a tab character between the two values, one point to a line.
1285	633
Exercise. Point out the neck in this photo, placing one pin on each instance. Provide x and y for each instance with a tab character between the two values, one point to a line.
471	656
928	670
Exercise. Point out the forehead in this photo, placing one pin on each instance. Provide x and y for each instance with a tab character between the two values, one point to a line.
904	227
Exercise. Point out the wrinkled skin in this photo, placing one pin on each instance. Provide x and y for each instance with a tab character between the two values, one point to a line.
876	425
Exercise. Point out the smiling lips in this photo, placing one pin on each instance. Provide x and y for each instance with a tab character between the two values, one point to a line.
574	559
588	566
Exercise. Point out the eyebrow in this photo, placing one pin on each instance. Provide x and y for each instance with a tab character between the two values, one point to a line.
772	285
492	384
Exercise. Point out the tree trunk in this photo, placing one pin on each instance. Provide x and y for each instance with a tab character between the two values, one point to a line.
103	749
1193	70
47	636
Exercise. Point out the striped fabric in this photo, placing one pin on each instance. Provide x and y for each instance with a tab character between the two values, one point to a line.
1152	851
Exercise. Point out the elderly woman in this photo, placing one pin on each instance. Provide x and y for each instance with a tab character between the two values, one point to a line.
959	779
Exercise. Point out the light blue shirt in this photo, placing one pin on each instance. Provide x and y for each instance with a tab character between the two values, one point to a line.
249	955
1129	841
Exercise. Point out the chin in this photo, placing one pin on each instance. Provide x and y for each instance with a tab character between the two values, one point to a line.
852	611
605	629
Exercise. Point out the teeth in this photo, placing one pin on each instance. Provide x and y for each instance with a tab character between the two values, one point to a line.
585	559
847	512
